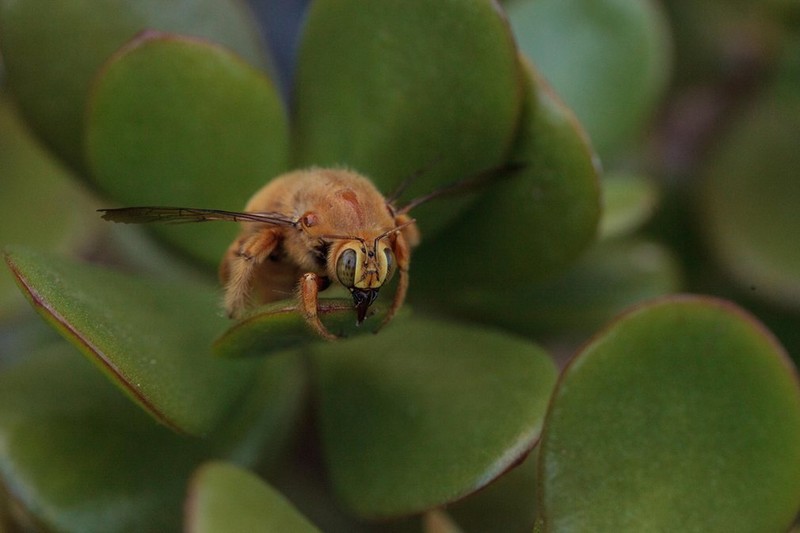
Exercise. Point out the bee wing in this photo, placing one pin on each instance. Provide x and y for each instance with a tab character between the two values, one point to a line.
143	215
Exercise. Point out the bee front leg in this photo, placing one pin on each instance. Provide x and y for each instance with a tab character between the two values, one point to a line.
310	285
239	264
402	255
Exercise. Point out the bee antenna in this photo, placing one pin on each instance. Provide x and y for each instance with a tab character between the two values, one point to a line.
408	180
344	237
481	179
391	231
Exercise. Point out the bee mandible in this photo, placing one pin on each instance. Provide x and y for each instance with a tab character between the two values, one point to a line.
303	231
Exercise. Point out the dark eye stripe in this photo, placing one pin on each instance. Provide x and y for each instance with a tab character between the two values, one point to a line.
320	253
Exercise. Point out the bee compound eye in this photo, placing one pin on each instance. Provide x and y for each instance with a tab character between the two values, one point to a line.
346	267
390	263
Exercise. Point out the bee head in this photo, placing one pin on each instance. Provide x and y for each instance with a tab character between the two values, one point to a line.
363	268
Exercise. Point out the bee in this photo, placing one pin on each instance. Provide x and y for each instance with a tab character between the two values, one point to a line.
303	231
308	229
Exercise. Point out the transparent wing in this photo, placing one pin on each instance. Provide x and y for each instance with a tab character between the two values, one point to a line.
143	215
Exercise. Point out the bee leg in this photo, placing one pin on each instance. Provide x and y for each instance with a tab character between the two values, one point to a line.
241	260
310	285
399	298
403	258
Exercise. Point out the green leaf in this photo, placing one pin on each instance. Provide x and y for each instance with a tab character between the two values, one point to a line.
153	339
223	497
36	189
78	456
532	224
508	504
688	411
628	202
53	49
610	277
176	121
750	200
406	86
427	412
281	325
608	59
261	424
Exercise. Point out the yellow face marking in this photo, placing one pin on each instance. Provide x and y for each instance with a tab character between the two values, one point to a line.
364	266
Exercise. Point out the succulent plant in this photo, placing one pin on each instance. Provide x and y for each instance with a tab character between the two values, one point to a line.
583	348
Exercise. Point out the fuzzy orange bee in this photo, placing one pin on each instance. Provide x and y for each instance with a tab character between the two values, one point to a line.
309	228
317	226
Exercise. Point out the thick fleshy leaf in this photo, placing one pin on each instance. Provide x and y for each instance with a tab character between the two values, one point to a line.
78	456
688	411
427	412
223	497
529	225
406	86
75	451
52	50
505	505
175	121
39	203
608	60
610	277
303	483
153	339
751	199
628	202
260	426
281	325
